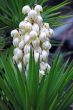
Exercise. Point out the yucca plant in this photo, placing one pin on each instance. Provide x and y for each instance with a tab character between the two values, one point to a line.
54	91
10	14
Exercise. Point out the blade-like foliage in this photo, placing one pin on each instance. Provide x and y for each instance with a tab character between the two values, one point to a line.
10	12
18	92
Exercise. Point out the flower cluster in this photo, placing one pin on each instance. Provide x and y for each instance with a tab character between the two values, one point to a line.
32	33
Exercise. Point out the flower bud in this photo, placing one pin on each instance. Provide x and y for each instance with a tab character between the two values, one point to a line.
15	58
42	37
28	26
20	66
22	25
36	56
33	35
27	49
21	44
44	55
43	66
38	8
38	50
46	25
26	58
26	9
26	39
41	72
14	33
35	27
32	14
39	20
16	42
18	52
51	32
36	43
46	45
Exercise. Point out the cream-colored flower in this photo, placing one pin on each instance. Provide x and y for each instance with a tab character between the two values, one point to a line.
36	43
35	27
26	9
36	56
38	8
44	55
26	58
32	14
26	39
16	42
28	26
21	44
19	66
43	37
14	33
27	49
46	45
22	25
38	50
51	32
33	35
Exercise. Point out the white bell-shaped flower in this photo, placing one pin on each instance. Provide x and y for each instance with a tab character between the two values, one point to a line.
27	49
20	66
42	37
38	50
32	14
35	27
19	53
39	20
26	9
36	56
15	58
22	25
33	35
21	44
28	26
44	55
38	8
46	25
48	67
41	73
36	43
26	39
14	33
26	58
43	66
16	42
46	45
51	32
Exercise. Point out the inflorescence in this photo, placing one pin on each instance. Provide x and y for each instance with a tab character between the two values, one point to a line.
32	33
